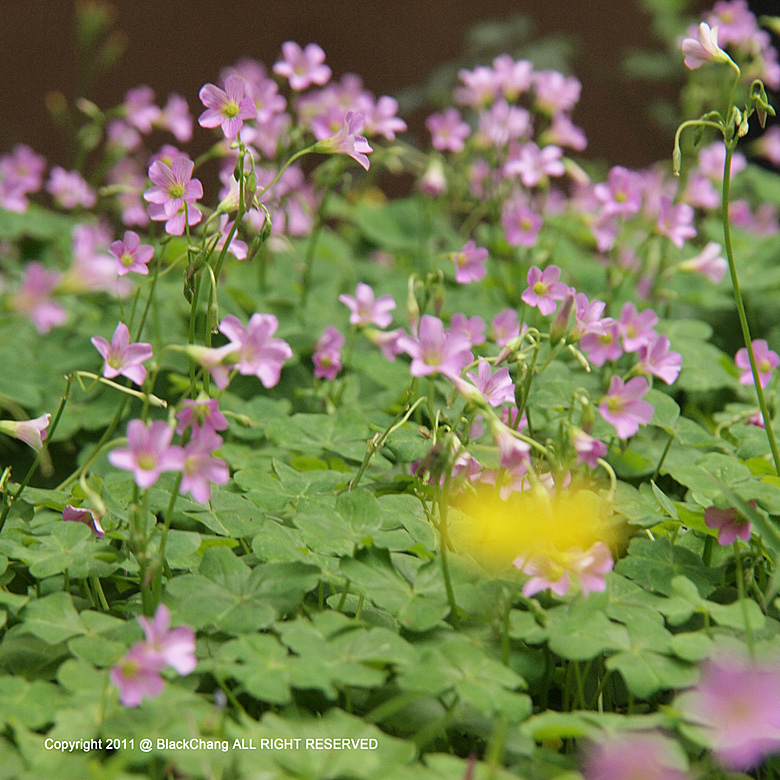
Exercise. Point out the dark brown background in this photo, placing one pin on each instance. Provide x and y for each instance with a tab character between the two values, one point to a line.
178	45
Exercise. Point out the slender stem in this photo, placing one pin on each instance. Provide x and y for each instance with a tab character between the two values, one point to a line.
445	566
741	592
770	434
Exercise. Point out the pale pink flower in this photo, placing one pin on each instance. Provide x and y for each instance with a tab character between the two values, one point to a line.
201	468
642	756
149	452
712	161
514	76
176	118
604	346
738	703
137	675
505	327
31	432
34	300
199	414
709	262
227	108
766	361
545	573
675	222
730	524
481	86
387	341
123	358
635	328
85	516
175	192
257	353
139	108
348	141
521	224
302	67
556	92
591	566
588	449
435	350
174	646
470	263
365	309
655	358
622	405
473	327
69	189
533	164
621	194
327	354
497	388
703	48
448	131
131	254
381	118
544	289
588	319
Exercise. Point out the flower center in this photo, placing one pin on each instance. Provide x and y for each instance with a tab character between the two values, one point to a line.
127	259
540	288
231	109
147	462
176	190
764	366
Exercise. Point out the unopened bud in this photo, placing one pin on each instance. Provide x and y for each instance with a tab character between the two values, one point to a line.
561	321
412	307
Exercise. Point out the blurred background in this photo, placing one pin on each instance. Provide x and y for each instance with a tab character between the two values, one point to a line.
178	45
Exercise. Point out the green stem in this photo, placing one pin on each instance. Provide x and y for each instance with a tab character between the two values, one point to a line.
741	308
445	566
742	599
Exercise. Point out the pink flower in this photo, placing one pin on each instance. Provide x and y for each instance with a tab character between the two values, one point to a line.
448	130
199	414
470	263
560	571
149	452
31	432
258	354
644	756
708	262
366	310
588	319
703	48
544	288
656	359
435	350
174	187
69	189
766	361
85	516
347	141
521	224
139	108
175	647
636	329
387	341
621	194
302	67
201	468
622	405
176	118
123	358
505	327
588	449
473	327
228	108
601	347
556	92
730	524
496	388
34	298
137	675
738	703
327	354
675	222
131	254
533	164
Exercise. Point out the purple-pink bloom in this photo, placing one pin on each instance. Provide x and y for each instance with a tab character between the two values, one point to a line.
137	675
636	329
365	309
766	361
470	263
176	118
348	141
709	262
175	647
122	357
228	108
34	300
533	164
604	346
621	194
258	354
302	67
675	222
131	254
198	414
448	131
556	92
622	405
69	189
655	358
327	354
737	701
85	516
201	468
730	524
505	327
175	192
544	288
435	350
31	432
521	224
588	319
473	327
496	388
387	341
139	108
149	452
588	449
642	756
